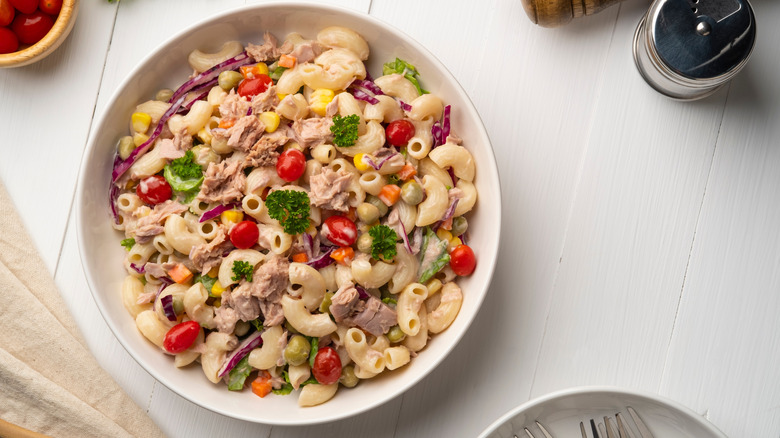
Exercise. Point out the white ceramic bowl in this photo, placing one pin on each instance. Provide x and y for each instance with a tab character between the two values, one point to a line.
561	413
167	67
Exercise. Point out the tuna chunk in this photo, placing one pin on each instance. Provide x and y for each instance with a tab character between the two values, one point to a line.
237	304
312	132
328	189
343	302
244	133
152	224
176	147
234	106
223	182
209	255
307	51
269	283
265	101
158	270
265	151
376	318
268	50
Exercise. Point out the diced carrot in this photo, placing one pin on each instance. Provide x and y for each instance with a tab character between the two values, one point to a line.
301	257
352	214
226	123
390	194
407	172
180	274
251	71
447	225
343	254
287	61
261	386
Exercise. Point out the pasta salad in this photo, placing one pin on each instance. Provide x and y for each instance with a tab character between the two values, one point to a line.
291	223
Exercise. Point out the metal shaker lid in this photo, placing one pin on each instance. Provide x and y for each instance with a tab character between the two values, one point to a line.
692	47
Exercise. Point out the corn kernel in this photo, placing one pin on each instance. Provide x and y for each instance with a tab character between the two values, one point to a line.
141	122
214	272
444	234
359	163
139	139
270	119
281	96
433	285
217	289
260	68
454	242
205	136
231	217
319	100
126	146
293	145
217	303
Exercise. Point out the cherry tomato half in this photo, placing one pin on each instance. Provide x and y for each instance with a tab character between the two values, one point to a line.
249	88
327	366
25	6
399	132
181	336
462	260
7	13
8	41
30	28
340	230
51	7
290	165
244	235
154	190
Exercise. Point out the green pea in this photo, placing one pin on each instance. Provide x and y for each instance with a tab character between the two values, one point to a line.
325	304
459	226
411	192
242	328
178	304
289	327
364	243
297	350
229	79
348	377
164	95
395	335
376	202
126	146
368	213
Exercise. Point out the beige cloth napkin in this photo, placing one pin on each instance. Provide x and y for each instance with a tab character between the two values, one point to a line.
49	381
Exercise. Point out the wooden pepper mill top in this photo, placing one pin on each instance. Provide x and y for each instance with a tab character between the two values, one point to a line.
552	13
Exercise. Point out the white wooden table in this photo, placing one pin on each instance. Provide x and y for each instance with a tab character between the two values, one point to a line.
641	242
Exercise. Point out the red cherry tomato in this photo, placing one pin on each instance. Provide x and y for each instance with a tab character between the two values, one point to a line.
244	235
399	132
7	13
30	28
327	366
154	190
249	88
8	41
290	165
25	6
462	260
340	230
181	336
51	7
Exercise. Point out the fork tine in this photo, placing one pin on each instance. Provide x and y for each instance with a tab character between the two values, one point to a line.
610	429
544	431
594	429
644	432
582	430
622	432
528	432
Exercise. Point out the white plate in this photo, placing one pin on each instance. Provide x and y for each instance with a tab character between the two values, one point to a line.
561	413
167	67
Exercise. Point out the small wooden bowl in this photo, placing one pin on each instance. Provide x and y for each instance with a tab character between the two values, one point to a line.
43	48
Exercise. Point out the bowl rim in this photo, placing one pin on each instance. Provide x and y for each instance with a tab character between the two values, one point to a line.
51	41
595	389
492	174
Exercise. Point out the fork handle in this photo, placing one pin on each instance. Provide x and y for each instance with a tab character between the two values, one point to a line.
553	13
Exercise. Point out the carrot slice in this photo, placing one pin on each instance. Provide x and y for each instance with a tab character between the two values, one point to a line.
287	61
407	172
343	254
390	194
261	386
301	257
180	274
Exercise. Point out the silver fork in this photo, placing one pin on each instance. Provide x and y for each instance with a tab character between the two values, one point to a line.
607	428
531	435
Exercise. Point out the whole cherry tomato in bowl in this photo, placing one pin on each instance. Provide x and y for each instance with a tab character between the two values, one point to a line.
25	6
291	165
399	132
30	28
154	190
9	43
340	230
7	13
51	7
244	234
327	366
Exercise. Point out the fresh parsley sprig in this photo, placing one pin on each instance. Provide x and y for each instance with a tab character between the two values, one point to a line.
290	208
383	240
345	130
242	269
404	68
128	243
184	175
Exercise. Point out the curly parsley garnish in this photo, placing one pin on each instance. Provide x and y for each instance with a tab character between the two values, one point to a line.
345	130
404	68
127	243
184	175
382	242
242	269
290	208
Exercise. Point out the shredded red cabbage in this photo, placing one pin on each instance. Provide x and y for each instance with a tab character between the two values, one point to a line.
404	106
436	131
250	343
204	90
369	85
212	73
323	260
167	303
445	124
307	246
120	167
362	294
367	159
165	283
216	211
136	268
360	94
113	193
417	238
405	237
447	213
